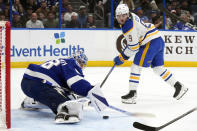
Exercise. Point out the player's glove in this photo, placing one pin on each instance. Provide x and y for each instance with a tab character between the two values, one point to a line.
119	60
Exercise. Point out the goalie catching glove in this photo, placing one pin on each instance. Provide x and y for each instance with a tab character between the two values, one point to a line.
72	111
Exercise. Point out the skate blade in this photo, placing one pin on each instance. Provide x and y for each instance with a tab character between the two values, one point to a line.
128	101
71	120
182	94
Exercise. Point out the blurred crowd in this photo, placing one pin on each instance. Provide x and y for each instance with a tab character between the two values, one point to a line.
86	13
35	13
93	13
149	12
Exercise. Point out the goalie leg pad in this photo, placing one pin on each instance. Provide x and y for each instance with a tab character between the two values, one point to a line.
97	98
72	107
44	93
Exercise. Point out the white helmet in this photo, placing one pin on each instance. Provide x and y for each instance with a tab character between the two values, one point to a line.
122	9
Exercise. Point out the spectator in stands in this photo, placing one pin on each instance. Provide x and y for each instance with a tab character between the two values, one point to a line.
64	5
68	14
2	5
107	10
55	10
178	11
52	2
51	22
193	7
32	4
145	19
17	7
140	13
185	5
90	22
2	16
63	23
16	21
181	26
43	8
27	15
174	4
41	17
99	9
153	14
129	3
7	11
146	6
82	17
34	22
173	21
74	23
158	21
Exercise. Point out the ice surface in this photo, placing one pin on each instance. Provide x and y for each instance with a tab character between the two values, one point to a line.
154	97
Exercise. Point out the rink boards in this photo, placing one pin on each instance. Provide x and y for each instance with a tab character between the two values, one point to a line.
36	46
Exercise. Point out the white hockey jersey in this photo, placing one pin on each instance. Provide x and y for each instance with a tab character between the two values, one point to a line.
138	33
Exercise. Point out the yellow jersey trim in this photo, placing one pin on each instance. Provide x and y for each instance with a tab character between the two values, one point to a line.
144	54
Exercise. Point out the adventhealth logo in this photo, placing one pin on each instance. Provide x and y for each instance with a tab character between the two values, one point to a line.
48	49
60	37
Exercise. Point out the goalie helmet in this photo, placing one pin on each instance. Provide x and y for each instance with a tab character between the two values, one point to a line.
122	9
81	58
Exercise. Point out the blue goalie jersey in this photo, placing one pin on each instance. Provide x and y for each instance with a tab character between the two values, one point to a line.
60	73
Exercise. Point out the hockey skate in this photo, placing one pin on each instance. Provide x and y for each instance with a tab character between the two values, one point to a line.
30	104
62	118
130	98
180	90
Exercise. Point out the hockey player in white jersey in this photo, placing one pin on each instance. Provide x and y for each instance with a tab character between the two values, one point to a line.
53	83
145	42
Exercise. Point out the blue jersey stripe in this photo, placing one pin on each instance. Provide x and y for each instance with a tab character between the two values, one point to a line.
135	74
133	81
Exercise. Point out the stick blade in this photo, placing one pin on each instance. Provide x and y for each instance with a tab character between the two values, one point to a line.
144	127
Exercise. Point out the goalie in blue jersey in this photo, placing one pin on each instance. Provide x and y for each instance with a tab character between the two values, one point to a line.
54	84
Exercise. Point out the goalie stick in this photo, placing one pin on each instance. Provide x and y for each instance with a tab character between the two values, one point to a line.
151	128
159	4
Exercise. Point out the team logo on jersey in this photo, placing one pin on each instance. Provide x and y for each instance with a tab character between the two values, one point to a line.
121	43
60	37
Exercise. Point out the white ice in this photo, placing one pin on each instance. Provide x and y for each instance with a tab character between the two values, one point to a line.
154	97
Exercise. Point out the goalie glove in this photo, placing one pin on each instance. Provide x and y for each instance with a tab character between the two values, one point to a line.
97	99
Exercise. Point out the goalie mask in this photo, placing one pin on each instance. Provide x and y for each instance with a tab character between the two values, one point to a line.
81	58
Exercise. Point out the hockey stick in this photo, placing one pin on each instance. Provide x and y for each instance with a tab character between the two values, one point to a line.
151	128
87	102
159	4
130	113
108	75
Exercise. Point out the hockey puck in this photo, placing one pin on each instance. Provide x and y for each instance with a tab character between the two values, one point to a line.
105	117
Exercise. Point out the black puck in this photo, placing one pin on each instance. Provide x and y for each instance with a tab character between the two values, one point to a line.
105	117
